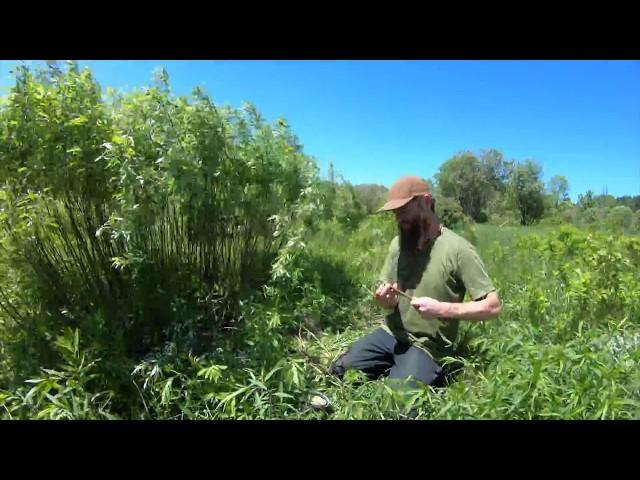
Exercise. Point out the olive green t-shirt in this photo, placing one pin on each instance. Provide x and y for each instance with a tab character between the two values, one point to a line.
445	270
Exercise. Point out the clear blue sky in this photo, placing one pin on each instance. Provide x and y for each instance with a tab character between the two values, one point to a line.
376	120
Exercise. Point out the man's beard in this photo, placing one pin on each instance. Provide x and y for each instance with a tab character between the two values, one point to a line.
417	236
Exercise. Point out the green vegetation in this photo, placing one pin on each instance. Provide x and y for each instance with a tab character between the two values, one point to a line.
163	257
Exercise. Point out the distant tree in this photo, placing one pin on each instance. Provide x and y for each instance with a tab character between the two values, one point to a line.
569	214
636	221
586	201
348	209
620	218
605	200
632	202
558	188
464	178
549	202
372	196
339	200
496	170
450	212
526	191
332	173
593	216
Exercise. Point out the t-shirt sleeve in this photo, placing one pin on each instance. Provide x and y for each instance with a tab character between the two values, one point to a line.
472	273
389	272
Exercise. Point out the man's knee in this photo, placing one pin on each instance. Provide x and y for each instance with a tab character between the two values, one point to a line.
338	367
367	354
417	366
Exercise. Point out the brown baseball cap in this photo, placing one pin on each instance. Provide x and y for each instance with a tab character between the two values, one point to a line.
403	190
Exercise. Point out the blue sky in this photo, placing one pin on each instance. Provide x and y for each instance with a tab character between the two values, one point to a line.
377	120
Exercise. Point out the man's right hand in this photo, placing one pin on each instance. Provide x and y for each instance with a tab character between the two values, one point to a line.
386	296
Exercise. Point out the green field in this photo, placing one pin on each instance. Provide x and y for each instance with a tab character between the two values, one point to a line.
566	345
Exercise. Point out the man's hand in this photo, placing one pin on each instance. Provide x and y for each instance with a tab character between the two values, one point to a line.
386	296
428	307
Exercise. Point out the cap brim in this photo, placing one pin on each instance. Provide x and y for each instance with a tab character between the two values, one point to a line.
394	204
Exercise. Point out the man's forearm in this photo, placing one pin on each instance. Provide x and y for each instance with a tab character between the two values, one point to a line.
482	310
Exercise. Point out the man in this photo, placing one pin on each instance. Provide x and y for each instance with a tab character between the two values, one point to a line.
434	267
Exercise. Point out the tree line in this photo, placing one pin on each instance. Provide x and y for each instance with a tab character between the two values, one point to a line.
484	187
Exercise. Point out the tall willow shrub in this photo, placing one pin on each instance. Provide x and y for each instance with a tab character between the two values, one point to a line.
129	215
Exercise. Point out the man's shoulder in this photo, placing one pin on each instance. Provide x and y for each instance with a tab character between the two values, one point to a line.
455	241
395	243
455	247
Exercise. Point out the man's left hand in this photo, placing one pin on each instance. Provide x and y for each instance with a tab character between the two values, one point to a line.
428	307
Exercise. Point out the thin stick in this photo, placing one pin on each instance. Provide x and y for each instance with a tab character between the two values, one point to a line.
402	293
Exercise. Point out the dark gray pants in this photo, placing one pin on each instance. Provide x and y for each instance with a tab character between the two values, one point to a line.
379	353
